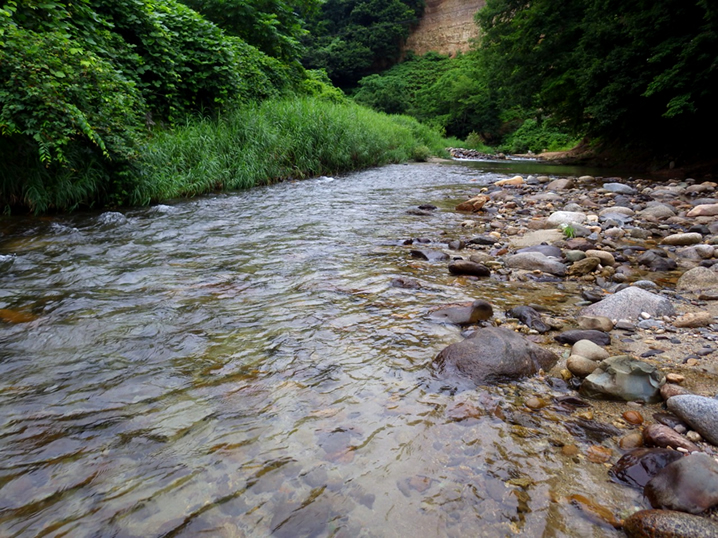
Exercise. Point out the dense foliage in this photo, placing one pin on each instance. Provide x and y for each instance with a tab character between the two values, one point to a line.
643	73
83	82
354	38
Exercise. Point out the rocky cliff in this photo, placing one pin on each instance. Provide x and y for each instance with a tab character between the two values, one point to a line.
446	27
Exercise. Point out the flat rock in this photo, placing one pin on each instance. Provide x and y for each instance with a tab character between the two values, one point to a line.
429	255
467	267
560	184
687	485
693	320
529	317
536	237
557	218
624	378
699	412
682	239
668	524
629	303
530	261
546	250
703	210
657	211
493	355
698	279
574	335
464	315
619	188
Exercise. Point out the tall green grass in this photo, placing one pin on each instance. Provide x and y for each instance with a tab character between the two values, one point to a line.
259	144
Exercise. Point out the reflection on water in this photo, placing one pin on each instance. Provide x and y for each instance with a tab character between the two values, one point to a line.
239	365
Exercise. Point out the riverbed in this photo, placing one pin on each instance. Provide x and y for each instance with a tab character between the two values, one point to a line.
241	365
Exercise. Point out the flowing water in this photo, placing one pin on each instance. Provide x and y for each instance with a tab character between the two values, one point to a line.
240	365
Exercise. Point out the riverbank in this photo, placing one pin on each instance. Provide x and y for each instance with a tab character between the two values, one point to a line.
627	264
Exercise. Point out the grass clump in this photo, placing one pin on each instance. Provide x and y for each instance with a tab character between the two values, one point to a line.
279	139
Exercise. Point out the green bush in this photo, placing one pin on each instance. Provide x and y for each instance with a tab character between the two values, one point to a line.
536	137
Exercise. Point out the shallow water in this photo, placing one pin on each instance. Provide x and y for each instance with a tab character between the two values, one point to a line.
239	365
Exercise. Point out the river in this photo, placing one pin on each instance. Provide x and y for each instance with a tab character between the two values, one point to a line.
240	365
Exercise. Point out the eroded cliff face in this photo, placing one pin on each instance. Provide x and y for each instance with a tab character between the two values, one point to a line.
446	27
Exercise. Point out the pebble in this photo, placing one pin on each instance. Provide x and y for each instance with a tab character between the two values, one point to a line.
662	436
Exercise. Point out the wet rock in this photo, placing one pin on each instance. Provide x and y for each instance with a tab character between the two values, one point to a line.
624	378
429	255
656	261
418	212
703	210
467	267
665	437
595	323
591	430
580	366
485	240
637	467
699	412
464	315
632	440
698	279
687	485
633	417
668	524
405	283
682	239
619	188
558	218
589	350
693	320
630	303
583	267
574	335
530	261
529	317
493	355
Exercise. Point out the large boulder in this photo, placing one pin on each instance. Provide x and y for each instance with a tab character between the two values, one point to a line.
624	378
493	355
629	303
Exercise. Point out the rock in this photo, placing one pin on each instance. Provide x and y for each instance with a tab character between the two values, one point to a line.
656	262
473	204
529	317
580	366
624	378
546	250
633	417
665	437
466	267
481	257
560	184
637	467
699	412
530	261
682	239
557	218
405	283
693	320
687	485
591	430
583	267
536	237
632	440
698	279
512	181
589	350
606	258
493	355
465	315
670	389
657	212
619	188
573	336
703	210
429	255
596	323
574	255
630	303
668	524
486	240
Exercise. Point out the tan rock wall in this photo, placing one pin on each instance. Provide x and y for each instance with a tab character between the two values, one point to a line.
446	27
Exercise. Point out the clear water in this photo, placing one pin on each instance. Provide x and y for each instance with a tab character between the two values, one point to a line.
240	365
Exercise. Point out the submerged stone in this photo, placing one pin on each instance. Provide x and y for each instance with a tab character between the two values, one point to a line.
637	467
689	484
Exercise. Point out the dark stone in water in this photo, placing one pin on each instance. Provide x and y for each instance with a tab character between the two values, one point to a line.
418	212
482	240
668	524
591	430
429	255
573	336
687	485
466	267
428	207
456	245
493	355
655	262
465	315
668	419
529	317
637	467
592	296
405	283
